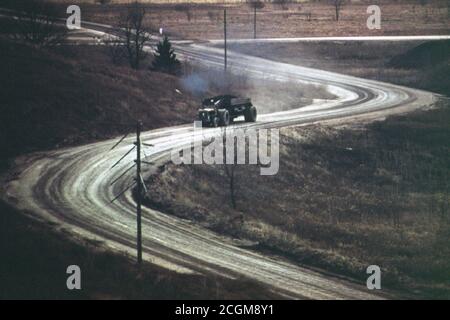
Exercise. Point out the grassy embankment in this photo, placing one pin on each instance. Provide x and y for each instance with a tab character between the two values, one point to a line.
35	258
344	198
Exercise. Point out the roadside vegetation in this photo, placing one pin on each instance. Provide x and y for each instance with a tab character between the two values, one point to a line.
165	58
71	95
35	259
344	198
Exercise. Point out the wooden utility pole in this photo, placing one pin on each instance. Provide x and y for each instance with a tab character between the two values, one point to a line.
138	181
139	192
225	37
254	21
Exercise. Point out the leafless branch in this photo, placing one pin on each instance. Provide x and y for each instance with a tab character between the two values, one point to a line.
136	34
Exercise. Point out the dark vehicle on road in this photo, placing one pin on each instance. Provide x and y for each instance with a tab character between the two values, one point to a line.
222	110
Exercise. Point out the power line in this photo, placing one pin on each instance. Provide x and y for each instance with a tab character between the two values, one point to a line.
118	142
121	193
123	157
138	181
124	173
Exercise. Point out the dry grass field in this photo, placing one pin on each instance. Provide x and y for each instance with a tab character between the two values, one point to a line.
205	20
344	198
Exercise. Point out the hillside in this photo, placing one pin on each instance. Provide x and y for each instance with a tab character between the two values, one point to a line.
428	54
344	198
72	95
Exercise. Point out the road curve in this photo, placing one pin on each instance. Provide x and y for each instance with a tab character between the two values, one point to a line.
338	38
72	187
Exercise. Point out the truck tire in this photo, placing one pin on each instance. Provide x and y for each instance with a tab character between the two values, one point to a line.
224	118
250	114
214	122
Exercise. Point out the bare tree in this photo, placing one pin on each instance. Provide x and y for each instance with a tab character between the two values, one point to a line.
36	23
337	7
255	4
136	34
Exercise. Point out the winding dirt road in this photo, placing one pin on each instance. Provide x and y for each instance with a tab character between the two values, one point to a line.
72	187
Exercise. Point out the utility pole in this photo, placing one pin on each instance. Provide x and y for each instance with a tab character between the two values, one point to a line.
254	21
138	182
225	37
139	192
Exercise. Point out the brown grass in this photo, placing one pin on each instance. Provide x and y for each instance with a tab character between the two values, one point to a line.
73	95
205	21
36	258
342	200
